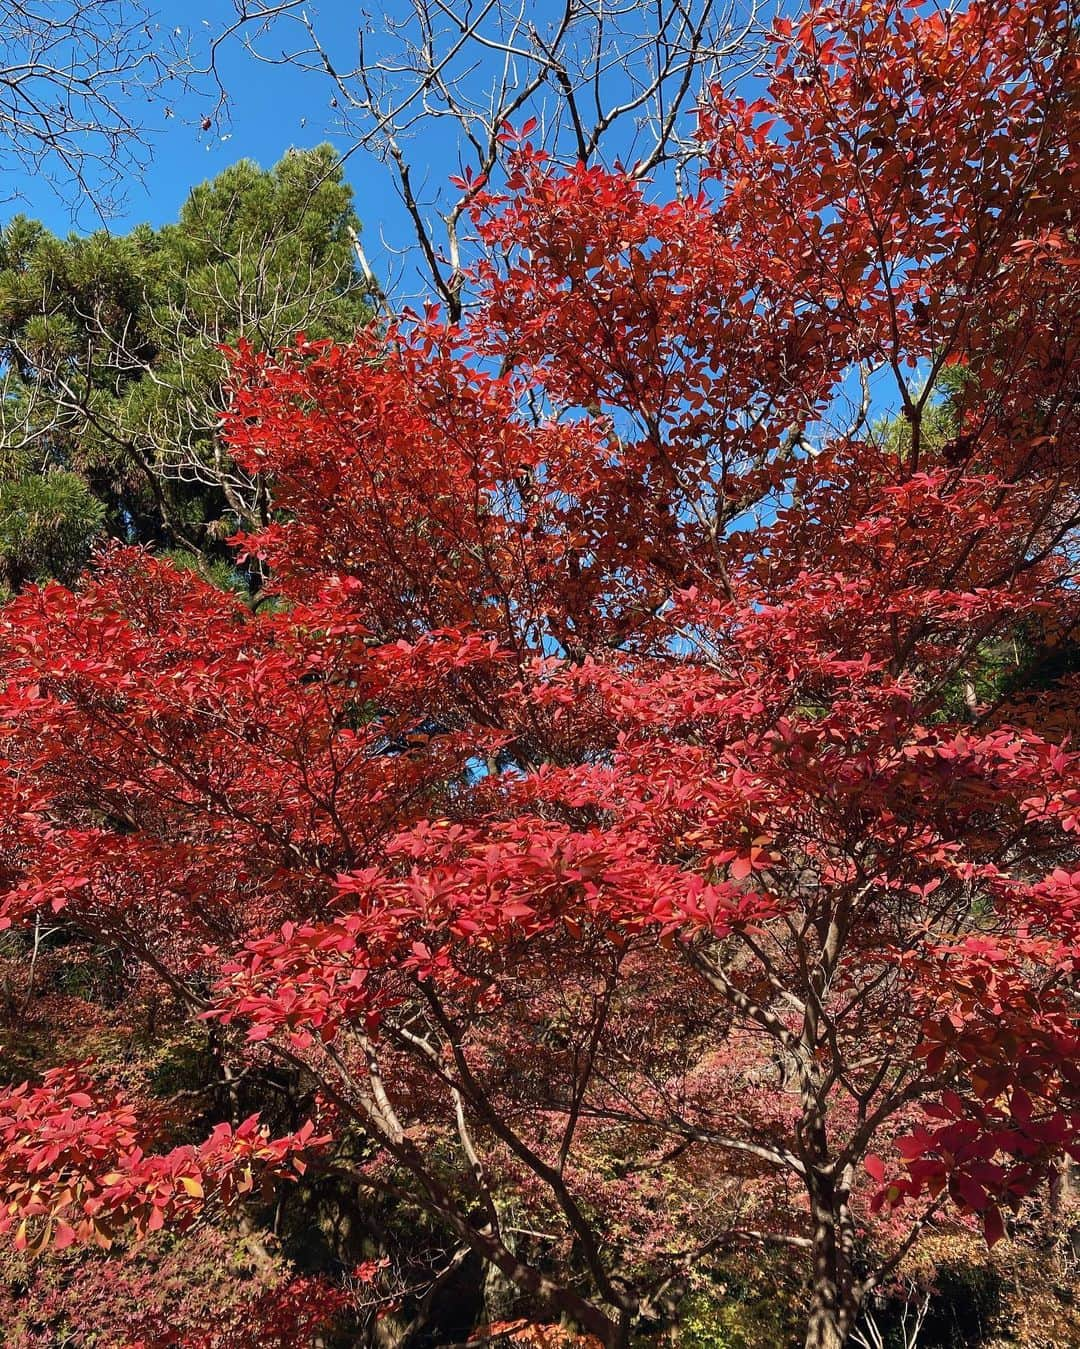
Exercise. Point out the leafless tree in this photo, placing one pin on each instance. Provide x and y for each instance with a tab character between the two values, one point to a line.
73	76
430	85
915	1305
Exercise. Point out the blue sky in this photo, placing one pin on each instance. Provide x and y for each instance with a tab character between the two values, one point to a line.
275	107
271	109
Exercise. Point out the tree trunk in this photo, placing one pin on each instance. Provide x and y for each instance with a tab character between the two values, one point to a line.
825	1328
499	1295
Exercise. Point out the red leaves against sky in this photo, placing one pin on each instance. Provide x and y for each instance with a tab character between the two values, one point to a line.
601	632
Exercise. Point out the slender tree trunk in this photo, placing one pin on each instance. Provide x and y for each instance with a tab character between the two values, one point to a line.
835	1299
824	1329
621	1334
499	1295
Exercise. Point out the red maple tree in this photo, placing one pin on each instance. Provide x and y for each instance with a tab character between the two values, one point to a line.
611	818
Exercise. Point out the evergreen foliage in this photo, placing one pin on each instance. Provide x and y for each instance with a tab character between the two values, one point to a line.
114	368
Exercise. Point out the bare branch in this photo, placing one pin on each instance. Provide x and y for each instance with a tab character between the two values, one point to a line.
607	83
71	72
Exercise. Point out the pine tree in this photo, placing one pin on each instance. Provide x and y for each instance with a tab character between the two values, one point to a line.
114	365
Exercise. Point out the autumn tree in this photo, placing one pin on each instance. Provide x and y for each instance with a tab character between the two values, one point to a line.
590	839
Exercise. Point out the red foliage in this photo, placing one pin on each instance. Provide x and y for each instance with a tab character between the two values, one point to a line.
282	1317
608	813
203	1291
73	1165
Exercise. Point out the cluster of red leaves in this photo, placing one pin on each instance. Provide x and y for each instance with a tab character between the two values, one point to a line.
208	1290
73	1165
283	1317
484	889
